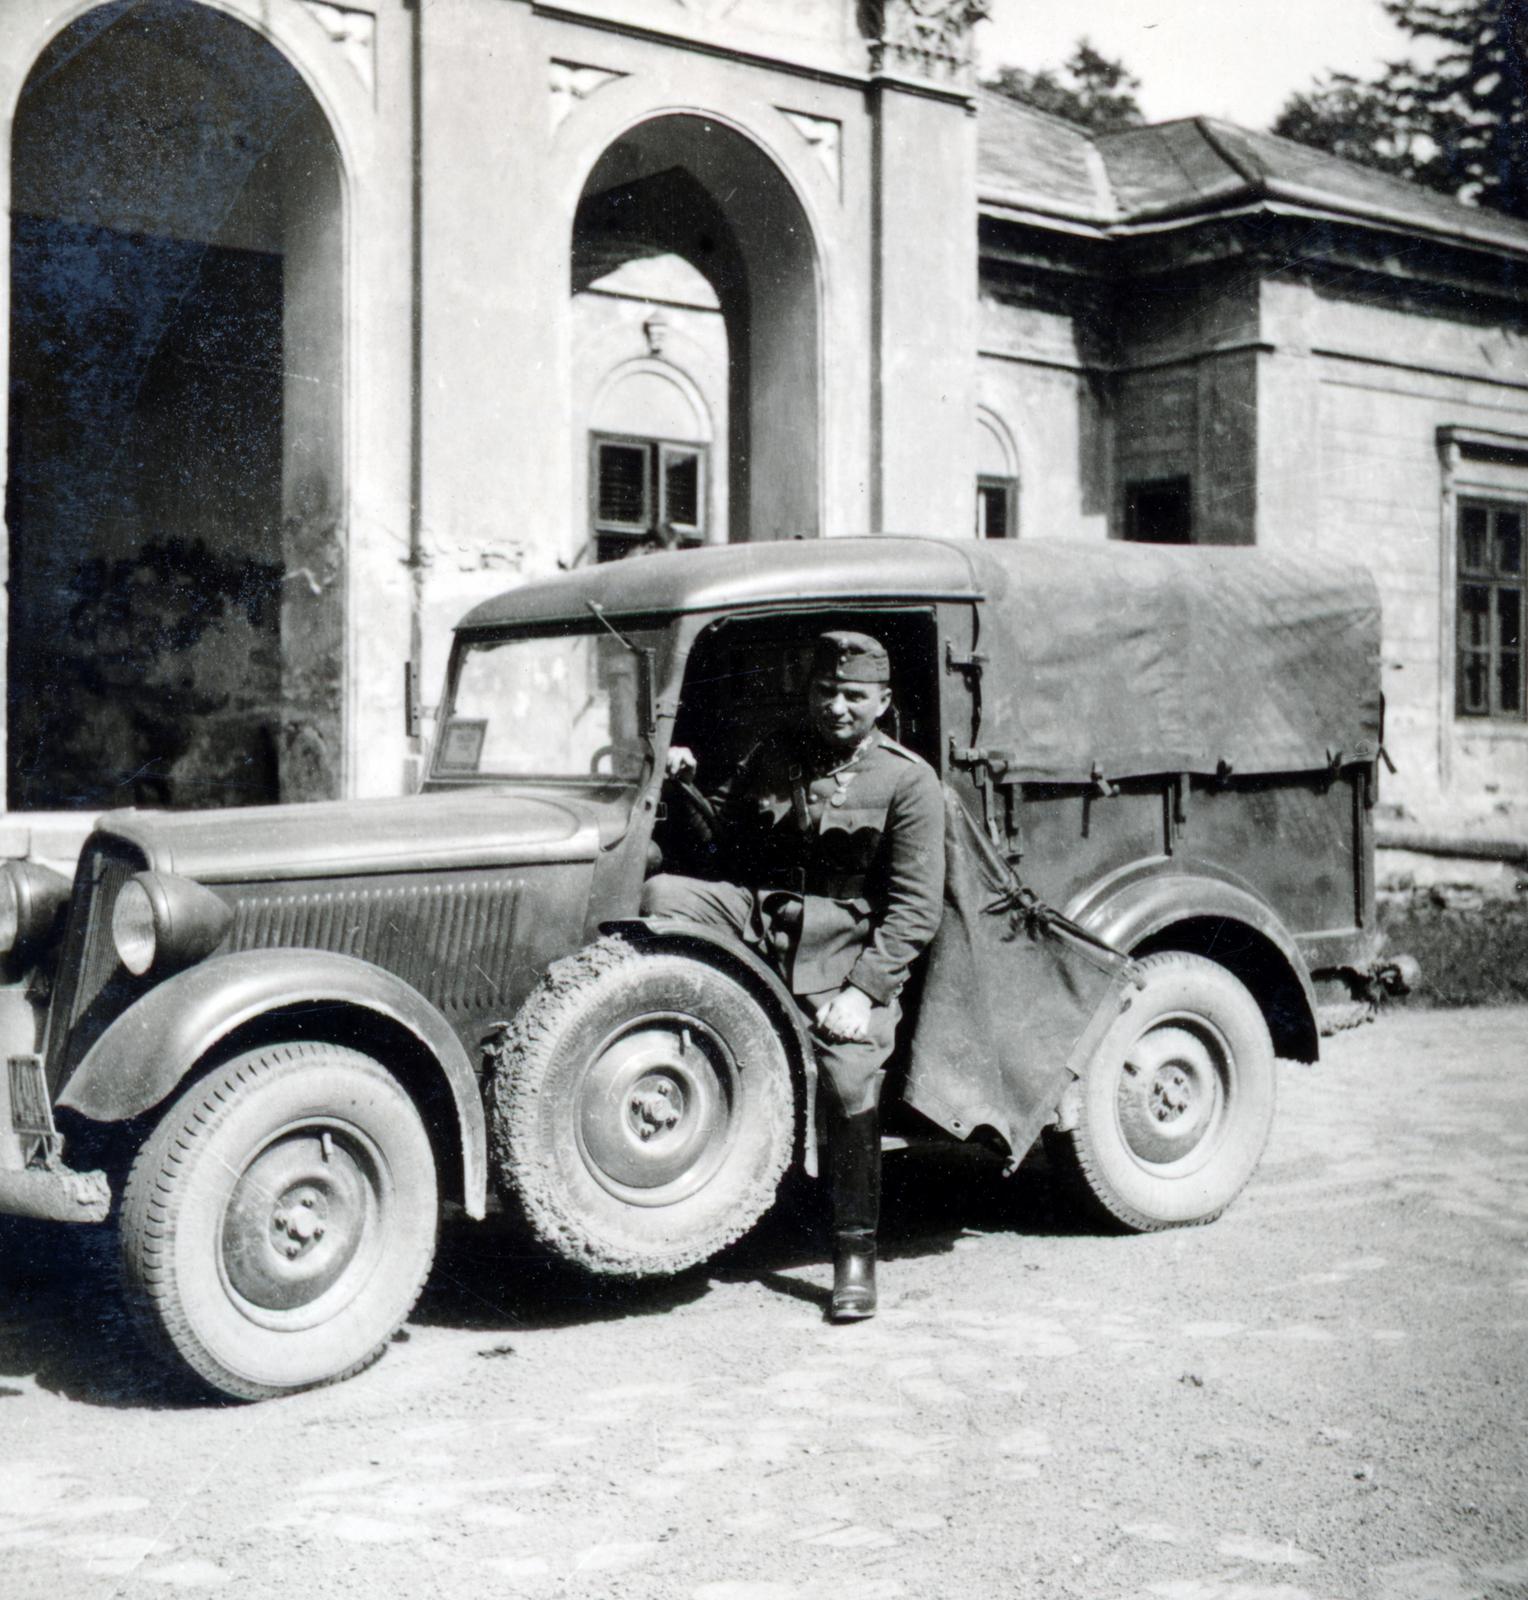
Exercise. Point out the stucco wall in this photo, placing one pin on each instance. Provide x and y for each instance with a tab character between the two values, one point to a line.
1359	395
1032	379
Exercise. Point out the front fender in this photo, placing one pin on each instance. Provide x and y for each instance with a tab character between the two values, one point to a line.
1136	906
143	1056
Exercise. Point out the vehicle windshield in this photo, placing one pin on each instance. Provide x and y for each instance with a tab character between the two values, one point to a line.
553	703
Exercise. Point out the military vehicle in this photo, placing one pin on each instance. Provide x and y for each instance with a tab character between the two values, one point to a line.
266	1044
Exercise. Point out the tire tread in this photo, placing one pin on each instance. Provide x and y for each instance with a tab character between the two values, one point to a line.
151	1199
1085	1170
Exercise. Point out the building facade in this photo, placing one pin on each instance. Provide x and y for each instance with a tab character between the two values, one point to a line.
326	320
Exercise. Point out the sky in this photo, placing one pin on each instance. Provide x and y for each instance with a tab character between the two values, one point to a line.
1234	59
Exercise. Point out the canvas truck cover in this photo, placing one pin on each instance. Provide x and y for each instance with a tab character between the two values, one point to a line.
1120	660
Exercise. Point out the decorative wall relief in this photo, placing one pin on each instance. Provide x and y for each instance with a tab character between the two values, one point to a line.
354	32
825	136
929	39
570	82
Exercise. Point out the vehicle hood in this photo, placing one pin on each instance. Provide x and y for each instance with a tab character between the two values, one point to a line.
462	828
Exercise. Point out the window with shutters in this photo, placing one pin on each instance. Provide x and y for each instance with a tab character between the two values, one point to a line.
647	494
1489	677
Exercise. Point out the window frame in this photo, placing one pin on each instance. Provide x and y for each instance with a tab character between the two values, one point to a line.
1495	582
615	537
1008	487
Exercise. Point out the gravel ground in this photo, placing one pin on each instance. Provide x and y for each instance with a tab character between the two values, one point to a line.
1322	1395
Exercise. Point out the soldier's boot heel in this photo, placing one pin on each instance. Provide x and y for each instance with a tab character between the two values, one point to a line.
853	1278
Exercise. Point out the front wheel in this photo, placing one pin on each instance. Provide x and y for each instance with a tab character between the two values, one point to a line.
279	1223
1175	1106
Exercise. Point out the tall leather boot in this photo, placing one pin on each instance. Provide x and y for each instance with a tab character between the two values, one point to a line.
854	1157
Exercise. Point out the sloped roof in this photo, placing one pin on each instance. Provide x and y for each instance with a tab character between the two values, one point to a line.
1048	170
1050	163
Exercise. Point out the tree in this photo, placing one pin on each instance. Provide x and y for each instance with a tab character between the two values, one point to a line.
1347	118
1088	89
1458	122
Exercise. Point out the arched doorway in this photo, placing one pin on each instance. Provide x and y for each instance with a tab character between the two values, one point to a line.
176	573
690	190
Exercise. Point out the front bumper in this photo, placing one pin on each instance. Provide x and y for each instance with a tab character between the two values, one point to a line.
54	1193
34	1182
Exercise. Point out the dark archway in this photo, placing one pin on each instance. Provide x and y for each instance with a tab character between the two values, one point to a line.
687	186
176	611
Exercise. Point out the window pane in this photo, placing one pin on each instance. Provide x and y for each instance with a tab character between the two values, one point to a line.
1509	618
1475	616
1474	522
992	511
1509	543
555	705
681	488
1510	681
622	492
1474	676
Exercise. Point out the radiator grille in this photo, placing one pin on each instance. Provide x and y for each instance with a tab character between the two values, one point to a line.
451	940
87	965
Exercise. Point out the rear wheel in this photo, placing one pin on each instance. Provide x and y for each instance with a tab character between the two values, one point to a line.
642	1110
279	1223
1174	1108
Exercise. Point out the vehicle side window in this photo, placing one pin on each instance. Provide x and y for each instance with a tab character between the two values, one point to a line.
747	678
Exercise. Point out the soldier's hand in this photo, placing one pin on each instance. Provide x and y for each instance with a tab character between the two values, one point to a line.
845	1016
680	761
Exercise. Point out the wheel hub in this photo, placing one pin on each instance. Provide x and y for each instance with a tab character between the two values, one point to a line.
656	1108
298	1215
1171	1092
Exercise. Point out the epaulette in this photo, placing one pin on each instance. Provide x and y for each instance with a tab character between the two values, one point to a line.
888	743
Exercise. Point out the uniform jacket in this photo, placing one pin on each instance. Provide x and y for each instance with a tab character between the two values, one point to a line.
862	847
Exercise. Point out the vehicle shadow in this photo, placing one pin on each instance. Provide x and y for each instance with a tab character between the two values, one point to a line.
932	1196
489	1278
64	1324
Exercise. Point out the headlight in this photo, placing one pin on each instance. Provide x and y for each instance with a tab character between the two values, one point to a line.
132	928
30	898
163	921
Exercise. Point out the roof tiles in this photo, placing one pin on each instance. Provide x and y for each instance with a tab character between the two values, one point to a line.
1040	164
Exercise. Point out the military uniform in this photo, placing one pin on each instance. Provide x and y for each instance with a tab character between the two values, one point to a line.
833	844
843	859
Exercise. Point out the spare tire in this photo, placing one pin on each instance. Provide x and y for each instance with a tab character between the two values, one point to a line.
642	1110
1175	1106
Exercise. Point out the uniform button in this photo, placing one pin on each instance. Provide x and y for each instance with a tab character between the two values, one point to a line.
837	800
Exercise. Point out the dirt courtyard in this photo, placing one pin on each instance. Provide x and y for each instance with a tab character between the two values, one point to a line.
1323	1396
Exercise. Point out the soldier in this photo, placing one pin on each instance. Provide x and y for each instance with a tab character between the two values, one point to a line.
834	835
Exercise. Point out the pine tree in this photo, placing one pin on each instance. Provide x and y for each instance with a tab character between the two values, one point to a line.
1472	103
1457	121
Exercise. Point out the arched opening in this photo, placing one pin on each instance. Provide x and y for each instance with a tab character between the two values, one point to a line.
175	494
692	220
997	480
